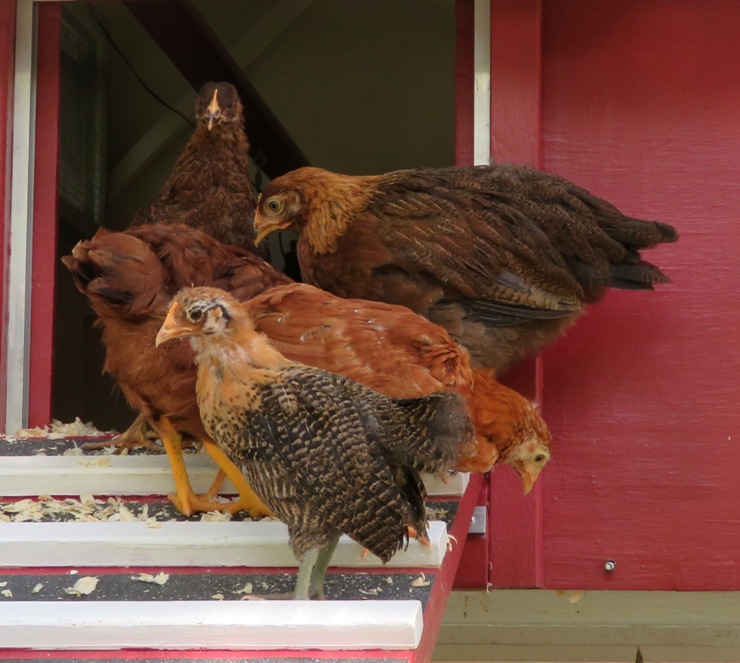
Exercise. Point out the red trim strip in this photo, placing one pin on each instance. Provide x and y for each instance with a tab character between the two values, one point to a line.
7	62
45	212
516	135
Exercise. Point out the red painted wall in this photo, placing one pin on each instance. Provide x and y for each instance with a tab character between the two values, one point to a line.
46	168
7	59
639	101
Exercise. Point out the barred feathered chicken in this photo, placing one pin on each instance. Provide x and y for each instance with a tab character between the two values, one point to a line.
209	187
129	279
327	455
504	257
400	354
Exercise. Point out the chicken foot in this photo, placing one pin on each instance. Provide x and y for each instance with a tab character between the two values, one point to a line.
186	501
248	499
136	433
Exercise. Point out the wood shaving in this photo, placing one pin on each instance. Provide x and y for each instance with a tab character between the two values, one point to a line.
84	509
159	579
389	580
220	597
247	589
57	430
371	592
37	588
215	516
6	593
4	584
421	581
84	586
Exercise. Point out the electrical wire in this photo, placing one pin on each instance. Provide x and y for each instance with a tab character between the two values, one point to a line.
133	71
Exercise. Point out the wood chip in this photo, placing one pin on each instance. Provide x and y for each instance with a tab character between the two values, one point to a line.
6	593
84	586
421	581
158	579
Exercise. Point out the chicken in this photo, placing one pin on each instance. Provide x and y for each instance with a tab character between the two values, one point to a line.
394	351
327	455
129	279
504	257
209	187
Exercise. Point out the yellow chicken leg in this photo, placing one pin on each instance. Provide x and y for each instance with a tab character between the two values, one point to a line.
248	499
186	501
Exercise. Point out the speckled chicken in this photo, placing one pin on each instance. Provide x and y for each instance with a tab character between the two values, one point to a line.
209	187
504	257
326	454
129	279
401	354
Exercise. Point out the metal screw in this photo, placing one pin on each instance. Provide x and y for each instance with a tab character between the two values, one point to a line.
610	565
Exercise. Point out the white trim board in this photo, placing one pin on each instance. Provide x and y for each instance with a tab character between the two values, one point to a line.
176	544
328	625
130	475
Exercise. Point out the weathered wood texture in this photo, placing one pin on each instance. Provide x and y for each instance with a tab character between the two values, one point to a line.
641	104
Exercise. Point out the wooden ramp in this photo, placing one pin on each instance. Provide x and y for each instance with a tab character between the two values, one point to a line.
107	570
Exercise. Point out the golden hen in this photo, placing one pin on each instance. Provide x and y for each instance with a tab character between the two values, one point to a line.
129	279
326	454
504	257
401	354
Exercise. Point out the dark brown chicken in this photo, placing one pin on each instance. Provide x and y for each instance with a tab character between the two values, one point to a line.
327	455
129	279
209	187
504	257
400	354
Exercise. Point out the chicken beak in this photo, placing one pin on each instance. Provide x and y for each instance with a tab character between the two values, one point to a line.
171	328
528	480
214	110
527	473
263	228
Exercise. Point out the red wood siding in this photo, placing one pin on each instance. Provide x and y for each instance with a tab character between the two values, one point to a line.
640	102
474	569
45	212
516	520
7	59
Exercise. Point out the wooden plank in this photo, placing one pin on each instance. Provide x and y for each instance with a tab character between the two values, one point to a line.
641	395
7	63
46	169
131	475
265	625
544	625
516	53
445	576
176	544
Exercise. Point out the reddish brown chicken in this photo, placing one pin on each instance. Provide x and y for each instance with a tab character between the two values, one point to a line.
400	354
504	257
129	279
209	187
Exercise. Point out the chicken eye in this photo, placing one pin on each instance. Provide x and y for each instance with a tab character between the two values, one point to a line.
539	458
195	315
274	205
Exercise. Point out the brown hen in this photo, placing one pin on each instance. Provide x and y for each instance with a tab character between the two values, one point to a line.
129	279
209	187
401	354
326	454
504	257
